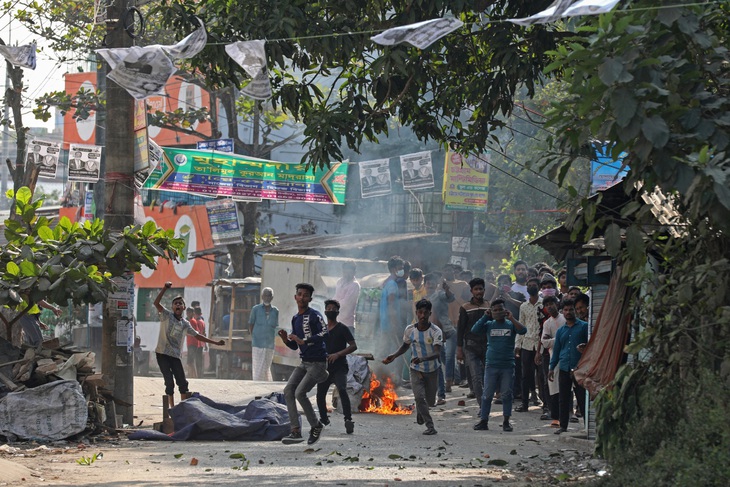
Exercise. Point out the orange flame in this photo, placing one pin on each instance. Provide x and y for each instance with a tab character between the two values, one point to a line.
382	398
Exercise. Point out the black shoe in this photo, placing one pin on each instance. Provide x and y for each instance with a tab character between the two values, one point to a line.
574	419
430	431
545	416
349	426
471	395
419	419
324	421
522	408
293	438
314	434
535	401
498	400
506	426
560	430
482	425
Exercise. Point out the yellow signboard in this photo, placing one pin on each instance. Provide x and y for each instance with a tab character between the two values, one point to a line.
466	182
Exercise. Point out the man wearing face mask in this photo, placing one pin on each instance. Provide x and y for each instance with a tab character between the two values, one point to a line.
340	343
530	312
548	286
262	325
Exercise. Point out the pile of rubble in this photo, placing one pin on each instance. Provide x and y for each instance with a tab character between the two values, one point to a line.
50	391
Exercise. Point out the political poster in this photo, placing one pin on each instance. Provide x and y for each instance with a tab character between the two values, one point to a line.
84	162
420	35
144	71
375	178
251	56
567	8
417	170
154	156
223	219
466	182
43	154
23	56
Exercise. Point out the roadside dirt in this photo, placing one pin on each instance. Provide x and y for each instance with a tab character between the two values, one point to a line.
384	450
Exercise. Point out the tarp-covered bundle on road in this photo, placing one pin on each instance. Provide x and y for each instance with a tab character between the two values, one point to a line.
200	418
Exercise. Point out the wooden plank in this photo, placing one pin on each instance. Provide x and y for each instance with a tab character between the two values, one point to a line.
96	380
8	383
14	362
52	344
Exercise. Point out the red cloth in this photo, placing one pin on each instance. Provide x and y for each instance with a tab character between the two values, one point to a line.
199	326
600	360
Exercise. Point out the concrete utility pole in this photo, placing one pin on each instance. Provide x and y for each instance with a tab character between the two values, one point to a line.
117	362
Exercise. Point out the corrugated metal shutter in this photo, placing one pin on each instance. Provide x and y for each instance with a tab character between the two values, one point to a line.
598	296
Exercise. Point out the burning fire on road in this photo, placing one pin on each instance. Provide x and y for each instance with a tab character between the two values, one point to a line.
382	398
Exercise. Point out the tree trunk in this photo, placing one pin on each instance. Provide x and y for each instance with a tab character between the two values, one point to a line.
243	255
15	102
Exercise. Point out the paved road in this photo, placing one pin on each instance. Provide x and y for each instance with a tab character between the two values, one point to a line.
384	450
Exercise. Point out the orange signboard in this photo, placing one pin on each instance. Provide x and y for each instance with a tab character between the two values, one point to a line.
189	223
178	94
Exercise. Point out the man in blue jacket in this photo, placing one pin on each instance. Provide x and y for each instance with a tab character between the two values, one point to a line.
567	349
309	333
501	328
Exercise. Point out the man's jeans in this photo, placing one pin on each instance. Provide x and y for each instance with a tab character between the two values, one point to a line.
302	380
338	377
475	362
497	378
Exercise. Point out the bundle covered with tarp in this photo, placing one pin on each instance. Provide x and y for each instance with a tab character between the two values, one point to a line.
201	418
50	412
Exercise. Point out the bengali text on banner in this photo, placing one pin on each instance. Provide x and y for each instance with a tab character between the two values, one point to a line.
214	174
466	182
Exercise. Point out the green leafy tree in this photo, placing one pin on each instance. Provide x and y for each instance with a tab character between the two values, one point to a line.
478	69
651	82
524	201
69	261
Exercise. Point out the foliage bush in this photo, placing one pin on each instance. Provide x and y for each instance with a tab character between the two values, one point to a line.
667	411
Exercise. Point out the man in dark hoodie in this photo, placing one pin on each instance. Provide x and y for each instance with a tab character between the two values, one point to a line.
309	333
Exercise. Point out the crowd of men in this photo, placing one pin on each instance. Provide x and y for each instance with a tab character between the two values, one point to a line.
507	341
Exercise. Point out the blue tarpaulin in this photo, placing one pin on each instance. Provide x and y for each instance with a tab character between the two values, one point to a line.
201	418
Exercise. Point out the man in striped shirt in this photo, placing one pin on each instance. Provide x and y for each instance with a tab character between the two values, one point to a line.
425	341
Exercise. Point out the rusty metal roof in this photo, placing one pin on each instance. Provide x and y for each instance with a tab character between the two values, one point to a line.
558	242
301	243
